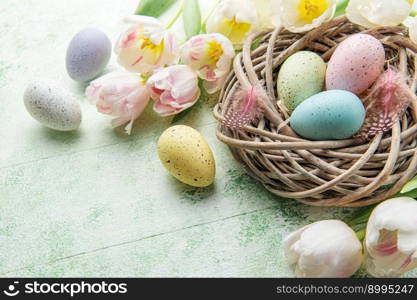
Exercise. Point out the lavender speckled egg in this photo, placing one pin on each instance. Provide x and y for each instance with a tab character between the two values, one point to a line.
88	54
355	65
52	106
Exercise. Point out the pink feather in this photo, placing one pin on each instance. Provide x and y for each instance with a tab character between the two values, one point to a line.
246	106
386	103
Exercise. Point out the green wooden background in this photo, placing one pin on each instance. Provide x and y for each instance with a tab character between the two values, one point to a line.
97	202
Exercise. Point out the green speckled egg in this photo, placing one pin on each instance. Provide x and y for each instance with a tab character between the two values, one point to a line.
301	76
187	156
330	115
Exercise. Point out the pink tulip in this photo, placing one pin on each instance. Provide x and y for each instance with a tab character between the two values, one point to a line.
120	94
174	89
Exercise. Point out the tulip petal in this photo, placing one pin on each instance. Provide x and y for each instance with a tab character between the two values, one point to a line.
374	13
391	238
268	13
304	15
354	15
173	89
210	56
235	19
385	12
413	30
327	248
120	94
146	46
213	86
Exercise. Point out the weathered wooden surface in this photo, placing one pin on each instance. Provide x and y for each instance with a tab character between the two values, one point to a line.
99	203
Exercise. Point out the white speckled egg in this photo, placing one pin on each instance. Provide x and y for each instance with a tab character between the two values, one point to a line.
301	76
356	64
88	54
52	106
187	156
329	115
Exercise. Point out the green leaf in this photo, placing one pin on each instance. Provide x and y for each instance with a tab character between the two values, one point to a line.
204	24
341	8
410	186
411	194
362	216
191	18
256	42
153	8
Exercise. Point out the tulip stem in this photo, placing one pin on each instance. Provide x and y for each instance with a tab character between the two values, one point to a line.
361	234
175	18
204	23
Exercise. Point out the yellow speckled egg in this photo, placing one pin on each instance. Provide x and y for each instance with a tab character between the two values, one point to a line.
187	156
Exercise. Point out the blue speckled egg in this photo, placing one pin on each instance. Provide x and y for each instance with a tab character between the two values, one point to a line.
330	115
88	54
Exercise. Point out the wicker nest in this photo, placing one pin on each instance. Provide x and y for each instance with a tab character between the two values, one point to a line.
350	173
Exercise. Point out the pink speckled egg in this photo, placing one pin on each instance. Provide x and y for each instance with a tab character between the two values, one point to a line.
356	64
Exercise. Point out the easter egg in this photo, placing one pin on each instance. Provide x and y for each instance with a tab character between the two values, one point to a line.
187	156
329	115
356	64
88	54
52	106
301	76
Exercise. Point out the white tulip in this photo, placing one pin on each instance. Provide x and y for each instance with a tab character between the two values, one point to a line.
146	45
413	30
374	13
268	13
327	248
304	15
235	19
211	57
391	238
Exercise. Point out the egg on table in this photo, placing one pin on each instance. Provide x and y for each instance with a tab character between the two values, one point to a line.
356	64
88	54
187	156
329	115
52	106
301	76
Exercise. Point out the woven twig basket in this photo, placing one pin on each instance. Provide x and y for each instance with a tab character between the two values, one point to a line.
349	173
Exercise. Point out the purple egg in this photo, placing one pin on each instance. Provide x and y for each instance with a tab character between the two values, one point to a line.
88	54
356	64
